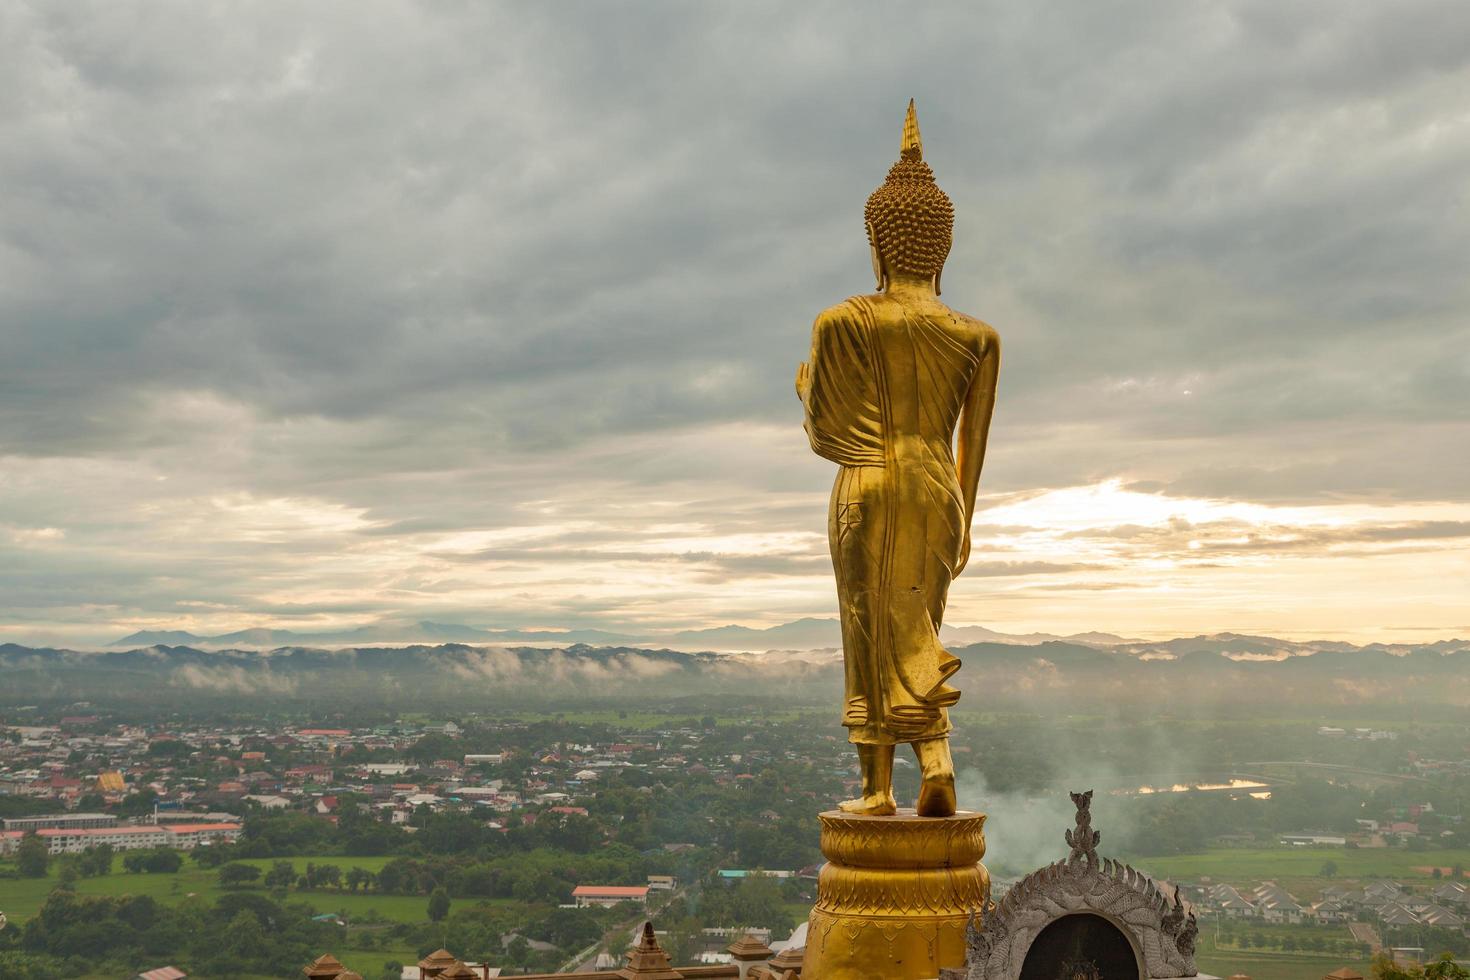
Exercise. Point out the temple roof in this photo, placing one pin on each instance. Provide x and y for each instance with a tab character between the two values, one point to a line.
458	971
440	959
648	961
788	959
747	947
324	966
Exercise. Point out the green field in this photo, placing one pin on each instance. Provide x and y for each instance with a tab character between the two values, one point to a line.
1299	869
1261	965
20	898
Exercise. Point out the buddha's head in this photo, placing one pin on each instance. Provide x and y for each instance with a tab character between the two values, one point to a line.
910	220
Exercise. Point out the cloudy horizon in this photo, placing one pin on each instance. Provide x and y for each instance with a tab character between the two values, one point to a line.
312	317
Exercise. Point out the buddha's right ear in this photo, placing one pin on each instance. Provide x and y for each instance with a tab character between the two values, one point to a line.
880	268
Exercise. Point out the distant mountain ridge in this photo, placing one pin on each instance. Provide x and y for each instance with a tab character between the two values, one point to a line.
1226	672
803	634
424	631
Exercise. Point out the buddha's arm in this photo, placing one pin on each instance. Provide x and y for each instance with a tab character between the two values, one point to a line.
804	370
974	431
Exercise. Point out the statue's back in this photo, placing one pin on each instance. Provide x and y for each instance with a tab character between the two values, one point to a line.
890	378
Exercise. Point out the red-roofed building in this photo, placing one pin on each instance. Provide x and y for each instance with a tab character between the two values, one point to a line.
313	771
609	895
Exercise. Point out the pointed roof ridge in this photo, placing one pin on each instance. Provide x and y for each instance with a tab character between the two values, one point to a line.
325	965
748	947
789	958
647	960
440	957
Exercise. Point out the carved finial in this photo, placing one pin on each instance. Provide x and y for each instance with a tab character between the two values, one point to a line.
912	147
1173	920
974	927
1186	939
1083	839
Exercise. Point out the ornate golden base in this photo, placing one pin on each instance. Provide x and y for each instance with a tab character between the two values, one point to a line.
895	896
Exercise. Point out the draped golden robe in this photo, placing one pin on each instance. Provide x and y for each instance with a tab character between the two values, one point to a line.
887	384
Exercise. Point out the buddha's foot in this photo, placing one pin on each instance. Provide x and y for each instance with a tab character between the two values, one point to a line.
936	797
877	805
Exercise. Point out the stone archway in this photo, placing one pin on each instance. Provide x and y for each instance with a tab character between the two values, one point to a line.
1081	946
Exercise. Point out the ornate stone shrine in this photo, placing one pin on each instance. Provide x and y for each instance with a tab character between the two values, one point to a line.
1084	917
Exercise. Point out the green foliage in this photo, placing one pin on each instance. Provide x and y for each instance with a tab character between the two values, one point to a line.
281	875
15	965
215	855
95	861
32	858
139	804
235	875
28	806
433	747
757	901
284	834
157	860
1443	968
438	904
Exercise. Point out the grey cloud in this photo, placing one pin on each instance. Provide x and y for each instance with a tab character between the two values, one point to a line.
447	263
1242	537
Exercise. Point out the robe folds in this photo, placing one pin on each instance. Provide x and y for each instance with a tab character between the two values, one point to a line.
886	387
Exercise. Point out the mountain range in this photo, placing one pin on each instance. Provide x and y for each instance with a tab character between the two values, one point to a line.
802	634
1216	675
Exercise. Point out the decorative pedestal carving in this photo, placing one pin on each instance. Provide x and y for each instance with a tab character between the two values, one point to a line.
895	897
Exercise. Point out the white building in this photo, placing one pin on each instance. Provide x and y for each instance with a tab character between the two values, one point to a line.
76	841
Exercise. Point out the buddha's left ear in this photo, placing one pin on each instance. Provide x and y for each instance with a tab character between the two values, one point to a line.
880	268
936	281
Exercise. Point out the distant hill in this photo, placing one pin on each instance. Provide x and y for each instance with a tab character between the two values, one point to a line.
802	634
1229	674
405	633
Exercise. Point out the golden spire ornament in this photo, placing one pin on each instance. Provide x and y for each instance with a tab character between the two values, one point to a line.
898	392
912	147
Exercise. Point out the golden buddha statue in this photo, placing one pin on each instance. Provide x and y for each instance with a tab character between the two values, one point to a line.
893	377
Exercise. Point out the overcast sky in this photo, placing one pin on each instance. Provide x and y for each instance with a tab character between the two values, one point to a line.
315	315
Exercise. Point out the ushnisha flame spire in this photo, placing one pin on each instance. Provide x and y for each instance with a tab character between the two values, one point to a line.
912	147
910	220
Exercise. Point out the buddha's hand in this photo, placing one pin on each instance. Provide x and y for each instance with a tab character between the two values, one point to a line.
803	380
964	559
